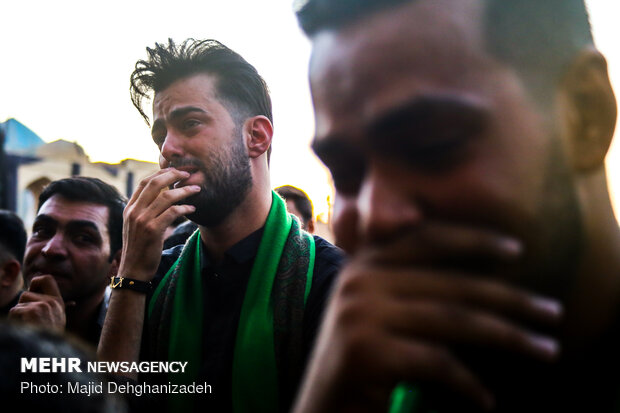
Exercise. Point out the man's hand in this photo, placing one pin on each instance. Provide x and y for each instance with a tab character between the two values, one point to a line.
42	304
147	215
399	310
149	212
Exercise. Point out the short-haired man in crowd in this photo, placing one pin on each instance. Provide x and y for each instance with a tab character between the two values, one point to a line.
242	299
299	204
73	251
12	245
466	139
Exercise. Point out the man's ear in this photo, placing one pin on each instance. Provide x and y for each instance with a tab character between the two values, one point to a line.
258	131
589	110
116	262
9	272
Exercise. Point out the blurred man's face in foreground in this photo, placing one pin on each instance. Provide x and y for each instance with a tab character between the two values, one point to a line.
420	124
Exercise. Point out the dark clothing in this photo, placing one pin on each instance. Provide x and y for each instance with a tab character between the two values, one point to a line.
180	234
224	290
4	311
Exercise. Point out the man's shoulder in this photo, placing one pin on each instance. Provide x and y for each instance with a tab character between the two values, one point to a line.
328	253
327	263
168	258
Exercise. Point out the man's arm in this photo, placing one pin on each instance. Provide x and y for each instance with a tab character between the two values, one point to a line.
398	311
147	215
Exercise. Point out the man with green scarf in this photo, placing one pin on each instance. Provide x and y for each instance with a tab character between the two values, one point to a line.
242	299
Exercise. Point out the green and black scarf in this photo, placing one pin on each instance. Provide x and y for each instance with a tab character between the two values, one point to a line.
268	348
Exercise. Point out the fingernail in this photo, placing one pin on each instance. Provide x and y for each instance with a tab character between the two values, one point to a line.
195	188
547	306
544	345
511	246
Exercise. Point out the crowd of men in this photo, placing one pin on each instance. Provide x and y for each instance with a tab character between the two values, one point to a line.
477	257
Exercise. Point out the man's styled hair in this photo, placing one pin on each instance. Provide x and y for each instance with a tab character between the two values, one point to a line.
93	190
300	199
12	236
238	84
538	38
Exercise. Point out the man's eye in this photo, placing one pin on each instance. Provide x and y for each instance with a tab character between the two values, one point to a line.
190	123
41	232
84	239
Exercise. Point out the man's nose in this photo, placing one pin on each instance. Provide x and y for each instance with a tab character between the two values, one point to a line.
386	209
55	246
171	148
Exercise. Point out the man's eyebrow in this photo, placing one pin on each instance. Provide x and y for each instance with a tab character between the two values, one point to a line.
73	225
176	114
82	224
180	112
45	219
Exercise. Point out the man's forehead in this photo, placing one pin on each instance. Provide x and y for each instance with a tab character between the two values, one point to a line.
190	90
455	23
64	210
419	41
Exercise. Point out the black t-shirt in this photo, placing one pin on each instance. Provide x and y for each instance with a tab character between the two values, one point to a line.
224	290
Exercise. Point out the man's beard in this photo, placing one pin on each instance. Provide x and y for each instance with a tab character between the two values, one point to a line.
563	236
227	182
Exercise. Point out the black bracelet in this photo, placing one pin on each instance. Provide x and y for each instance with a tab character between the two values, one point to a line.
131	284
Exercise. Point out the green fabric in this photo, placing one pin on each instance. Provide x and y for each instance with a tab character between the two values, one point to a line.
183	334
310	269
405	399
175	313
255	331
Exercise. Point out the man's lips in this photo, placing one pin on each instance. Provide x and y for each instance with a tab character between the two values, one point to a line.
187	168
54	273
189	180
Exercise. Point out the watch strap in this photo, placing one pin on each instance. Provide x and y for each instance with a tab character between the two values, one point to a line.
130	284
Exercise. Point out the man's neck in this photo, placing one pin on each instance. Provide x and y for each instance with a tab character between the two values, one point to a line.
248	217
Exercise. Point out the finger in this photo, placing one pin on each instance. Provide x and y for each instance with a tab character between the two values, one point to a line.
447	244
150	187
19	313
167	217
44	284
484	294
452	324
142	184
39	303
43	313
30	297
170	197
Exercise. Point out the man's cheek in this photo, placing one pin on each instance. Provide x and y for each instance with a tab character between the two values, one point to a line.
346	224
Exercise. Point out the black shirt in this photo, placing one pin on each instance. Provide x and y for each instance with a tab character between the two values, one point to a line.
224	290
